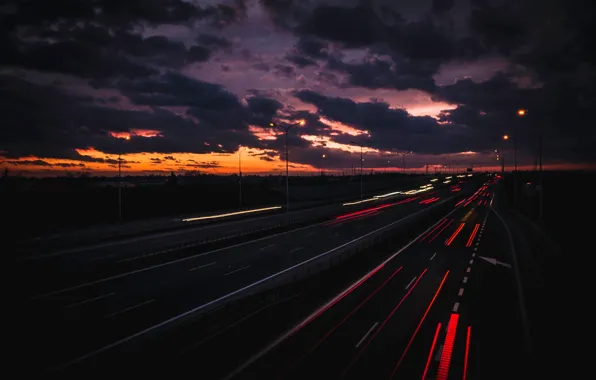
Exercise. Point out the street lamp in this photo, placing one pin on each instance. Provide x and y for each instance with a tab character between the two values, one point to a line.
361	163
239	176
523	113
403	160
500	159
286	128
126	138
506	137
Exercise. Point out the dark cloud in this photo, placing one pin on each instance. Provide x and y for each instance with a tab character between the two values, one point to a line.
95	39
212	41
68	165
30	162
307	51
285	70
198	54
391	128
205	165
377	73
312	47
64	123
553	111
45	163
94	52
118	14
499	27
174	89
301	61
439	6
355	27
262	106
71	57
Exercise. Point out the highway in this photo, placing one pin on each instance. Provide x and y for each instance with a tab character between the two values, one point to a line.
93	313
444	305
68	266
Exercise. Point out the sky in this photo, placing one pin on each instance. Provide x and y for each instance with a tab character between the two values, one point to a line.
193	86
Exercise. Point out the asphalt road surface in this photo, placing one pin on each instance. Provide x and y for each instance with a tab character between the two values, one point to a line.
73	265
442	308
65	323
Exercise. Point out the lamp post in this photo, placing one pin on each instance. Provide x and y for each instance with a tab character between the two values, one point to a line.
361	167
523	113
403	160
286	128
323	156
507	137
499	158
514	171
240	176
120	181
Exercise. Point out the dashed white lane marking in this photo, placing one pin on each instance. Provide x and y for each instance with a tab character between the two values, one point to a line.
129	308
455	307
296	249
337	234
475	249
465	280
433	256
477	244
267	247
237	270
461	292
472	261
473	255
367	334
468	270
202	266
89	300
410	284
310	234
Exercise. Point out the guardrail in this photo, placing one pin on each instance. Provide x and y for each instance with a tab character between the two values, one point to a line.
326	259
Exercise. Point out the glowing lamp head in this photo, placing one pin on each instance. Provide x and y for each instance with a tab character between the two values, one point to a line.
521	112
301	122
272	124
506	137
127	138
